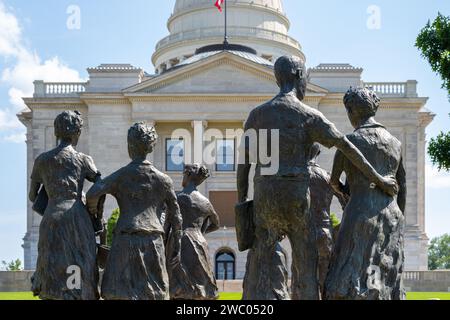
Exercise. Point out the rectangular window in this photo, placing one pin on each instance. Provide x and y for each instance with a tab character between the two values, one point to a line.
225	155
174	155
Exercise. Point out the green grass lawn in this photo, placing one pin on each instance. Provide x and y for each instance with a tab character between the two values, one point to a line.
237	296
17	296
428	295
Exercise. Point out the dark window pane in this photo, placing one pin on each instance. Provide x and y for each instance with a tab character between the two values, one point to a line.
174	155
225	159
225	266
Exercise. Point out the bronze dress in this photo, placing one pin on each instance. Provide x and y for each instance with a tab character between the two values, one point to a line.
136	266
66	234
367	262
194	279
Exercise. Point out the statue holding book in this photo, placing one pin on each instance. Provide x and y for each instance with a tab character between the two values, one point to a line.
67	233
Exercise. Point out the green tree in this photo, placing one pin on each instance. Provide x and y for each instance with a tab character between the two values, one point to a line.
112	222
15	265
439	253
439	150
434	44
335	222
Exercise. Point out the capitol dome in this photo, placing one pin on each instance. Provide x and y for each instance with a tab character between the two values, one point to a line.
259	24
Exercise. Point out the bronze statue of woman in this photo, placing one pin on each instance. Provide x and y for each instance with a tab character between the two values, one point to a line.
367	262
67	245
136	267
194	279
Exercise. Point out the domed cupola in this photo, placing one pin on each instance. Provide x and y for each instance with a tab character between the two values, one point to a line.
259	24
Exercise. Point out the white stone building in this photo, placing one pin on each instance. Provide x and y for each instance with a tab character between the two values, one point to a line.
217	90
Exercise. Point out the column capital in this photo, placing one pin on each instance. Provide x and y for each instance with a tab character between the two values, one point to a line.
204	123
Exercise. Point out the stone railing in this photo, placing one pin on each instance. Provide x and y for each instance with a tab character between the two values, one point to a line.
58	89
427	281
394	89
232	32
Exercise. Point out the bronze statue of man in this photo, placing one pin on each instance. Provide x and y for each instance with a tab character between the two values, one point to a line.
136	268
281	201
322	193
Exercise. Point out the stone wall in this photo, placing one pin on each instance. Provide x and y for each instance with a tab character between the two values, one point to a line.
15	281
415	281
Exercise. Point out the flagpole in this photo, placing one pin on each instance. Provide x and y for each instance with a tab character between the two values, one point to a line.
225	41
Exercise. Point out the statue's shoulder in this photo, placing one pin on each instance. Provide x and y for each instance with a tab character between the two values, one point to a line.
184	199
163	178
47	155
319	173
310	111
260	109
87	159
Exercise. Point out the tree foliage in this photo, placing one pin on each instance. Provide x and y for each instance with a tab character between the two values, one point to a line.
112	222
434	43
15	265
439	150
335	222
439	253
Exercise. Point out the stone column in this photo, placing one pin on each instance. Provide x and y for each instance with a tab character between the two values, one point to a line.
199	130
28	245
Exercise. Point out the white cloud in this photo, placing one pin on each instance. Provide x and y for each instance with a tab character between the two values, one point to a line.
26	66
436	179
10	33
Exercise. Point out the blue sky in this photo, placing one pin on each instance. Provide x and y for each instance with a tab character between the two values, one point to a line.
36	43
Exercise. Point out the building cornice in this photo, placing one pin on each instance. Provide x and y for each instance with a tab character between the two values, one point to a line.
43	103
238	39
104	98
336	99
147	97
253	6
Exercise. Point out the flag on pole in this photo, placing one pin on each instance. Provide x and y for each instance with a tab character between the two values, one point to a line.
219	4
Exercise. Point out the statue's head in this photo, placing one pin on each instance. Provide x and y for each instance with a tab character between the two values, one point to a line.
195	173
290	72
361	104
314	152
68	127
141	140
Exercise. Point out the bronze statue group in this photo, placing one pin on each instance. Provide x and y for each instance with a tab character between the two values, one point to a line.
159	250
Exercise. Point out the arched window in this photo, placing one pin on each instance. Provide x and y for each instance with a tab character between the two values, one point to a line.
225	266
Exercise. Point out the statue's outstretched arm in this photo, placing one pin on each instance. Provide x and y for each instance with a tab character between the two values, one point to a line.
96	195
324	132
335	181
213	221
175	220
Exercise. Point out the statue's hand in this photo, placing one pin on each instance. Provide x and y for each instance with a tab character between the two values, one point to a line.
243	199
93	210
175	258
389	185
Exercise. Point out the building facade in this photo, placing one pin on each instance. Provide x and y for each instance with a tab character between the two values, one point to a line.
200	94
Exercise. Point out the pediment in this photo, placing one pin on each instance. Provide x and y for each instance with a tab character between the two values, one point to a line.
223	73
